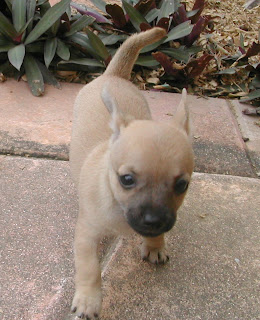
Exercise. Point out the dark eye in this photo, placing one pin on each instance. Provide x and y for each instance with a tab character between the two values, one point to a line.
127	181
181	186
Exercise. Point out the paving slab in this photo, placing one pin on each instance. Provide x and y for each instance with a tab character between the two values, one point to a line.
37	218
41	126
213	272
214	266
38	210
250	132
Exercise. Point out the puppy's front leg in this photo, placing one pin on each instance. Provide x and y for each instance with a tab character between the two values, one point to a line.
153	250
87	298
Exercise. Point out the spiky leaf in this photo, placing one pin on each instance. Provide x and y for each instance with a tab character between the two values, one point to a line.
48	77
16	56
49	18
62	50
167	8
251	96
34	75
50	47
19	14
98	45
179	31
30	7
100	4
146	61
6	28
135	16
84	62
81	41
78	25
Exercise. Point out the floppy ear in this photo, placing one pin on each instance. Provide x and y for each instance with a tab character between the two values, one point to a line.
118	118
182	114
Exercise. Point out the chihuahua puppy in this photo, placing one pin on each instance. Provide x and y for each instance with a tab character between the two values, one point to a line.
131	172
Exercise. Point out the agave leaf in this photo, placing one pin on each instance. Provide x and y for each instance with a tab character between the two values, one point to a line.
100	4
117	15
44	8
49	18
34	75
152	15
251	96
30	7
110	39
135	16
6	28
242	46
167	8
192	13
55	27
16	56
19	13
98	45
81	41
62	50
179	31
152	46
256	81
146	61
179	54
84	62
50	47
48	77
90	12
78	25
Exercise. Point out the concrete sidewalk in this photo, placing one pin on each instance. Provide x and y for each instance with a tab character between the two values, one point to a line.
213	271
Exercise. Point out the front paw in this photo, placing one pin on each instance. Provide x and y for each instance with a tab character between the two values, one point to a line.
87	303
154	255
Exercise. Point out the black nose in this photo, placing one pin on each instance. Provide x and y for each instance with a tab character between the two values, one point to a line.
152	220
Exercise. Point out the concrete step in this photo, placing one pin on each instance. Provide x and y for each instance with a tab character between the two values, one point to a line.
41	127
212	273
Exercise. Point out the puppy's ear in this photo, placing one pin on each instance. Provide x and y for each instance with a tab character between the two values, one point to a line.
182	114
118	119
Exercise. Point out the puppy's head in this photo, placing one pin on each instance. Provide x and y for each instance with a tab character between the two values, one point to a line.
150	167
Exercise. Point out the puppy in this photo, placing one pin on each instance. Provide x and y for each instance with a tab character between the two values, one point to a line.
131	172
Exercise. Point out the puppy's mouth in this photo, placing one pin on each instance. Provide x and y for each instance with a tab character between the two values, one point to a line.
151	221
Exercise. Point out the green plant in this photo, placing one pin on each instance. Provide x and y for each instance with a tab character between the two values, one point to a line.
245	76
182	25
34	35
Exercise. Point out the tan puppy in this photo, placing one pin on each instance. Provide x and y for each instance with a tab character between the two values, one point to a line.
131	172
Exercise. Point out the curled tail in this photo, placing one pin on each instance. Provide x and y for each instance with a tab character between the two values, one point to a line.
123	61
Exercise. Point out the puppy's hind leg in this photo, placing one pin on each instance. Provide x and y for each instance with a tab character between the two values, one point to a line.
153	250
87	299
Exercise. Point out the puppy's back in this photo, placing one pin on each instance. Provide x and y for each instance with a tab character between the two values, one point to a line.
91	118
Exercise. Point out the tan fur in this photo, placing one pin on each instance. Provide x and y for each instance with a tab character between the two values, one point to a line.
113	135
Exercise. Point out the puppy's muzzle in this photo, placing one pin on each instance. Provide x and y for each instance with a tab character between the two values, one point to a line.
150	221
